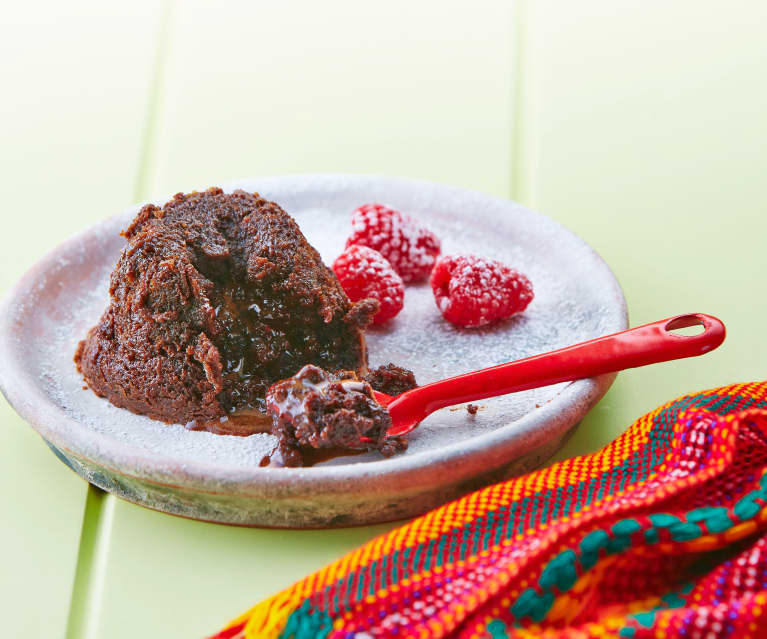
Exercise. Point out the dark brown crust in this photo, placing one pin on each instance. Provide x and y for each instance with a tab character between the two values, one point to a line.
215	297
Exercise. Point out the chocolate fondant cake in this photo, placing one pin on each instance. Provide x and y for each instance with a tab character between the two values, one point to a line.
215	297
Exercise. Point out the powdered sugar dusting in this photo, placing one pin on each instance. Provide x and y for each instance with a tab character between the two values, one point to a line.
570	305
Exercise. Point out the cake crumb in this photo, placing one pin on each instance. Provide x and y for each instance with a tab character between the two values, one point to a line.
391	379
472	409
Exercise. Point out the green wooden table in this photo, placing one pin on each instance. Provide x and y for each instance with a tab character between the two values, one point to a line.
640	126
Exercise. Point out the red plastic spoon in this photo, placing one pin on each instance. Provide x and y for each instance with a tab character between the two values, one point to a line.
635	347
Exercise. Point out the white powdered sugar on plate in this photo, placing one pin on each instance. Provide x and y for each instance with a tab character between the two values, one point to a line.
569	306
218	478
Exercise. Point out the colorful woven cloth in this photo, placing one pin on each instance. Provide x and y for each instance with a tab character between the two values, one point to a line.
663	533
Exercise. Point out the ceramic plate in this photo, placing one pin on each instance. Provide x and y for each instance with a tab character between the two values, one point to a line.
218	478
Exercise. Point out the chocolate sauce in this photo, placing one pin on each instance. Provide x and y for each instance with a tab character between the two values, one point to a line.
252	423
241	424
309	456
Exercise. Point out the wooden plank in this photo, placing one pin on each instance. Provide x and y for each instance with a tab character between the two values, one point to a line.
75	87
173	577
419	89
645	134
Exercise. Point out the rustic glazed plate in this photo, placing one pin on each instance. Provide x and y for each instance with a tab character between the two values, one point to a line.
218	478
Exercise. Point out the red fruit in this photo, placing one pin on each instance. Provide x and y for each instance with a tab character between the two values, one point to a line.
365	273
473	291
410	248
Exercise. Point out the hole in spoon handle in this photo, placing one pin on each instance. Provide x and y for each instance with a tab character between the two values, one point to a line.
710	330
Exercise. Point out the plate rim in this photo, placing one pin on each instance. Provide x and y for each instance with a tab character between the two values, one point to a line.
54	425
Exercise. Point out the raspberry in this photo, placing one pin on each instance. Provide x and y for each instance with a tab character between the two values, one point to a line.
365	273
410	248
473	291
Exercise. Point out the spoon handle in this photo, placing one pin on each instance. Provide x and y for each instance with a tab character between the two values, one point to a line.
632	348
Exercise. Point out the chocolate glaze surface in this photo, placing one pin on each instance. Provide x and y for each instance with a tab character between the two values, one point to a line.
215	297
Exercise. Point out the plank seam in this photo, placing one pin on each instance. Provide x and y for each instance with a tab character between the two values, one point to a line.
148	156
90	569
98	516
522	170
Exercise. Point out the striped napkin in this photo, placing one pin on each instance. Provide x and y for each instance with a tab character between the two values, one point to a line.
663	533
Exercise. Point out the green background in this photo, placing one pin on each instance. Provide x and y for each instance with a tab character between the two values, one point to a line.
639	125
